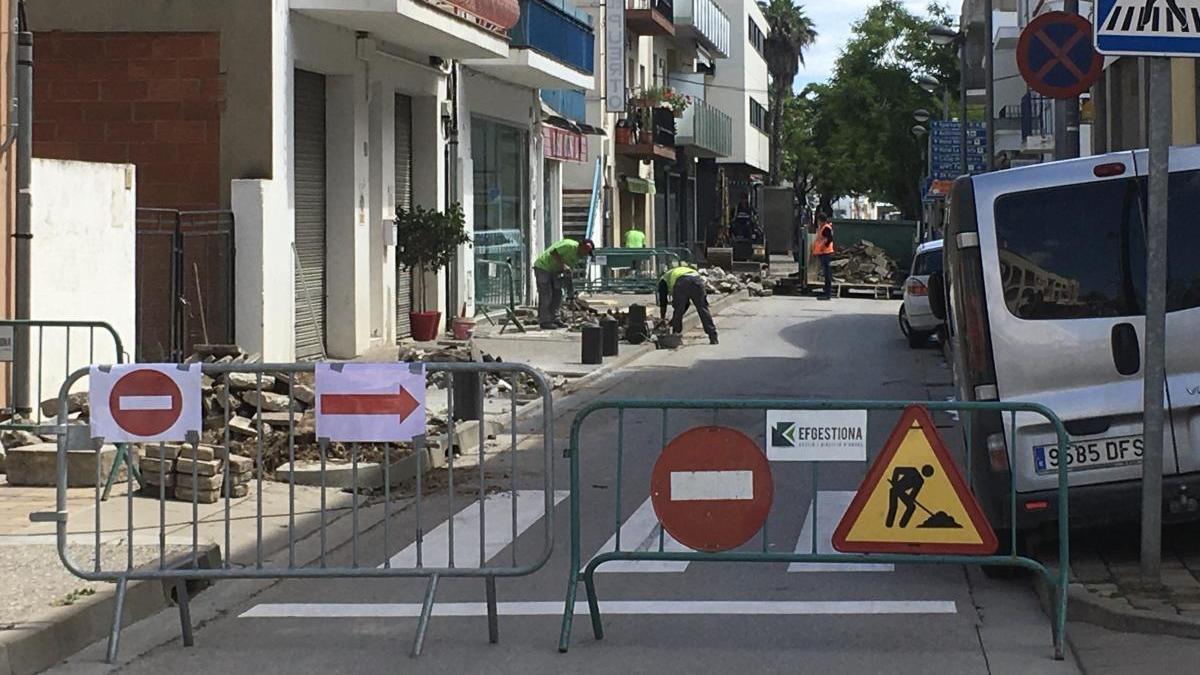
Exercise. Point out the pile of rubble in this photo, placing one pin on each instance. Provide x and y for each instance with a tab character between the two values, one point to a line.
864	263
717	280
199	473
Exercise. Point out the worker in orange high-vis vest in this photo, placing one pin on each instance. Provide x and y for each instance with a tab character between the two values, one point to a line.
822	248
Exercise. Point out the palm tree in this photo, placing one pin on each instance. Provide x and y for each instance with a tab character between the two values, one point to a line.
790	34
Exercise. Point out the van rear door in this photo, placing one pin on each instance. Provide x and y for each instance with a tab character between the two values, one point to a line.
1183	302
1063	245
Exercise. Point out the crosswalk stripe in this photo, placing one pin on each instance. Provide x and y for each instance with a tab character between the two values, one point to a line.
831	506
435	546
640	532
610	607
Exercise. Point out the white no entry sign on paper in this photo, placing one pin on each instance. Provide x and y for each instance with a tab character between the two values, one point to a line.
138	403
817	435
370	402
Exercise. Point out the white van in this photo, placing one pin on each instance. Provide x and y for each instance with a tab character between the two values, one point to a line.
1045	277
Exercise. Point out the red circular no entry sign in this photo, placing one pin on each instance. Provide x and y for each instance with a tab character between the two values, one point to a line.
145	402
712	488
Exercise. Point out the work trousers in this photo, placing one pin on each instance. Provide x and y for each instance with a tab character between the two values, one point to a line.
690	290
550	291
827	270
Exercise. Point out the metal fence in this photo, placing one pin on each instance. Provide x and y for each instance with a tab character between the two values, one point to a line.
332	561
496	290
185	278
43	354
626	270
749	416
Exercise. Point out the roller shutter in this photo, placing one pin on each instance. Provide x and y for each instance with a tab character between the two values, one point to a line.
404	169
310	213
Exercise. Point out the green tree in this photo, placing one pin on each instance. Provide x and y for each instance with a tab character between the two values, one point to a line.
790	32
863	119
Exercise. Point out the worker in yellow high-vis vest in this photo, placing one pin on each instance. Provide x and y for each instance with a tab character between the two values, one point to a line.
684	286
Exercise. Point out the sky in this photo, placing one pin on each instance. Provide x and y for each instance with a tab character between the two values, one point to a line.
833	19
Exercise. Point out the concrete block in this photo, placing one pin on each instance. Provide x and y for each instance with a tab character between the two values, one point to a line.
402	470
466	434
37	465
239	464
246	381
151	466
209	467
204	451
183	494
184	480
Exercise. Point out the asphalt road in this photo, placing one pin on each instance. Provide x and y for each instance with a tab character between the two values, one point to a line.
910	619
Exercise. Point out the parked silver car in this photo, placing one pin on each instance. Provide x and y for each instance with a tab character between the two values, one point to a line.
917	321
1045	282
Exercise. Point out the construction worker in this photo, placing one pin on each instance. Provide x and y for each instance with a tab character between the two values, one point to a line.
549	270
635	239
822	248
684	285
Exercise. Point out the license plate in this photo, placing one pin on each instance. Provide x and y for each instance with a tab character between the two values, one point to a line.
1097	453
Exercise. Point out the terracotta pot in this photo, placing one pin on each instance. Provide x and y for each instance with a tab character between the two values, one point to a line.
645	137
425	325
624	136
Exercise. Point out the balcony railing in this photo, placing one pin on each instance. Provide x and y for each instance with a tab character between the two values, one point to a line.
650	17
704	21
706	130
655	139
1037	116
557	29
569	103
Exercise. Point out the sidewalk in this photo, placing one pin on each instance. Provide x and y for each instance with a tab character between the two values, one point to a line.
47	613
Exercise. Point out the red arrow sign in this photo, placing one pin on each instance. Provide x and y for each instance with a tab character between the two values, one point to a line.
401	403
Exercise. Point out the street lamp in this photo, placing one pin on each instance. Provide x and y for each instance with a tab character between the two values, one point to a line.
944	35
928	82
918	130
921	115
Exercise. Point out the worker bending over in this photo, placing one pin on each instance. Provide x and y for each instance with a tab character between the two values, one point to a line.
550	269
684	285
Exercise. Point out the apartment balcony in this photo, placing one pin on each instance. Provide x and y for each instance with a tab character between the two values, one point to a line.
569	103
551	46
650	17
453	29
704	22
655	140
705	131
1037	123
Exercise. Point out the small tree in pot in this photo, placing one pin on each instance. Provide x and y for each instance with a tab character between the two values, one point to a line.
426	241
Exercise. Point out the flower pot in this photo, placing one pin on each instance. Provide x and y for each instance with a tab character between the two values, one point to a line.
425	325
645	137
624	136
464	328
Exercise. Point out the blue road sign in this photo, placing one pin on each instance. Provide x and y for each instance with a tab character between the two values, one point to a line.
1148	27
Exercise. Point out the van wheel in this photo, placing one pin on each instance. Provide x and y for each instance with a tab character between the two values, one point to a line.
904	327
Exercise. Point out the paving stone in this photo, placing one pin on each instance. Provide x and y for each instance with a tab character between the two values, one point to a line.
244	381
213	482
204	451
183	494
210	467
151	466
266	401
239	464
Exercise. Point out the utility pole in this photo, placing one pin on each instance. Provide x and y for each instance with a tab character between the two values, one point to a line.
23	230
1066	113
989	73
962	101
1154	373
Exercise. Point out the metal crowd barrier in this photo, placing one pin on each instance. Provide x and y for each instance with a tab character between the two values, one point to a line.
751	415
496	290
627	270
190	568
40	366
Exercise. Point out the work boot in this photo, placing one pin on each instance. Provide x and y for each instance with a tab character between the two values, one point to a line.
712	340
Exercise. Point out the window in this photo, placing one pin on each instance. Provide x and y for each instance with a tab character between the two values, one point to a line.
1089	259
757	39
500	155
758	116
927	263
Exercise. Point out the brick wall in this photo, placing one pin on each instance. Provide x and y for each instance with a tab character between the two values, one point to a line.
151	99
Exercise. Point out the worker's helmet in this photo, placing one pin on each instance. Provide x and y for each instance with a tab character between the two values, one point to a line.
587	246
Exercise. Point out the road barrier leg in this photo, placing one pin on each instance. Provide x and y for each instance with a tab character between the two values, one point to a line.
185	611
426	612
1059	626
589	583
493	619
564	638
114	637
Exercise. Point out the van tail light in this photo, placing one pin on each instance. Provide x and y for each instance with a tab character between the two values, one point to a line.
916	288
1039	505
997	450
1109	170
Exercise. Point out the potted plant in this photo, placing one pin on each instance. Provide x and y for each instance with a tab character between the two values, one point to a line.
426	241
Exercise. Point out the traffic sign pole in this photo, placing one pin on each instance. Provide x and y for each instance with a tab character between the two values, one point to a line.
1154	374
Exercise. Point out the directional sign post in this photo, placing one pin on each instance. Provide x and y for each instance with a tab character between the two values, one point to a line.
1156	29
712	488
370	402
141	403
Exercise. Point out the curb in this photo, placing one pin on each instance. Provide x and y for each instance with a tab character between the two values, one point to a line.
61	633
625	357
1117	615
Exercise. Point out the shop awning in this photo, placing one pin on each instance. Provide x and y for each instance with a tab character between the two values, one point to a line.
639	186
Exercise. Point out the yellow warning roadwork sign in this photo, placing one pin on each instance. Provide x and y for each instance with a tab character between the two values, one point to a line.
914	500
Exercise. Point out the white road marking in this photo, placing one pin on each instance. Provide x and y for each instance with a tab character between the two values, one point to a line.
688	607
435	545
689	486
640	533
831	506
145	402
